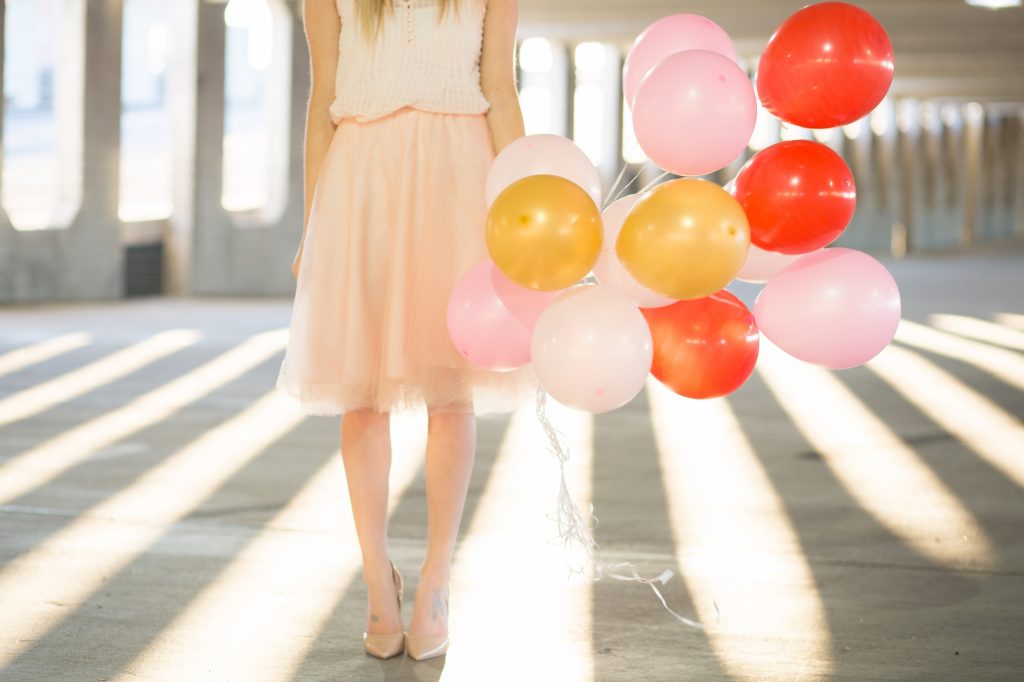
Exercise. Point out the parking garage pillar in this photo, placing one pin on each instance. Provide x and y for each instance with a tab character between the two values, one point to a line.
80	257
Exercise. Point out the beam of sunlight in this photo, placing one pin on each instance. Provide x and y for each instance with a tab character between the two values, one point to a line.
1005	365
42	397
511	586
737	549
258	619
1011	320
886	477
33	354
43	586
43	463
982	330
975	420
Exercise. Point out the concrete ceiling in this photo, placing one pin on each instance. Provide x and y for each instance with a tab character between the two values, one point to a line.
944	48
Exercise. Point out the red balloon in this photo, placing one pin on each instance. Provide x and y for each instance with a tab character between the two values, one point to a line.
703	347
827	65
798	196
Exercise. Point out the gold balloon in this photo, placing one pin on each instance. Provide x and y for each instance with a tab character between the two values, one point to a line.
544	232
686	238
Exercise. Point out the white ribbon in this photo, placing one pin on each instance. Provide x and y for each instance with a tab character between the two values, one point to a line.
574	526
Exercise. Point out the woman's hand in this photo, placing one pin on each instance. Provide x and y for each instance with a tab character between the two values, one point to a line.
497	72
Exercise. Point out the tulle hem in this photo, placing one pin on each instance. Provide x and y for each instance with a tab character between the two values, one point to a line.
505	392
398	217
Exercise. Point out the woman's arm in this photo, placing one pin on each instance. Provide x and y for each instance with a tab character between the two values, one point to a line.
497	72
323	28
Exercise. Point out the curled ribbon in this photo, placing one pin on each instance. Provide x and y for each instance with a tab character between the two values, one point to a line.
574	526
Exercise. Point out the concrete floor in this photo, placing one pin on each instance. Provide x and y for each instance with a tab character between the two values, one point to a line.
165	515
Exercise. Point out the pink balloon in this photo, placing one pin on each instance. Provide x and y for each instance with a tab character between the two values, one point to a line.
609	269
668	35
542	154
525	304
694	112
592	348
836	307
490	319
761	265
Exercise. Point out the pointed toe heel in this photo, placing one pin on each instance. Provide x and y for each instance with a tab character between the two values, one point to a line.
422	647
387	644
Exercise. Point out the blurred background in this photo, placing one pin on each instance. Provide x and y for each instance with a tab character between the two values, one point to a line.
167	514
155	147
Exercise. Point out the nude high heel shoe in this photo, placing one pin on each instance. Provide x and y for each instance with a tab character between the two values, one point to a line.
422	647
387	644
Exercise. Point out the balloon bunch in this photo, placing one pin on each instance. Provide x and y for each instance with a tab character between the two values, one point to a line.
662	258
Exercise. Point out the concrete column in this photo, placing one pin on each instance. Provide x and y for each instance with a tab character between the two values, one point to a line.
83	260
5	223
618	97
1019	173
182	79
570	89
102	143
631	180
209	221
612	157
973	121
907	130
8	235
884	168
216	252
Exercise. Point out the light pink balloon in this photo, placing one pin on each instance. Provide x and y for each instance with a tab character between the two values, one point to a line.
668	35
761	265
836	307
490	319
592	348
525	304
542	154
609	269
694	112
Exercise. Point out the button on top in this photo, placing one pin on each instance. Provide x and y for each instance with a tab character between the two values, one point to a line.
409	20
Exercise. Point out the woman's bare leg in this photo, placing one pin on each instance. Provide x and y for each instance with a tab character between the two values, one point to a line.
366	452
451	449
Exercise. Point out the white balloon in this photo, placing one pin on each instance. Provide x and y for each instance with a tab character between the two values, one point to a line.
592	348
542	154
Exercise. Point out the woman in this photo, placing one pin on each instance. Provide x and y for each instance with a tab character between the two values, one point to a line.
411	100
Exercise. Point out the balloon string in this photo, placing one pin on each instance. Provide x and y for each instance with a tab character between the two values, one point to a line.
613	187
627	185
653	182
574	526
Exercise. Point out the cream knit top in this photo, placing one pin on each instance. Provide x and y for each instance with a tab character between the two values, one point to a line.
415	62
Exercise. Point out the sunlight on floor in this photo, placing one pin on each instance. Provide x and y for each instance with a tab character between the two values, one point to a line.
44	462
514	607
1011	320
43	396
108	537
999	362
996	436
763	624
982	330
878	469
36	353
299	567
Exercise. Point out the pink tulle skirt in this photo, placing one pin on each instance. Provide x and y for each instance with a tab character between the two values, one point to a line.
397	219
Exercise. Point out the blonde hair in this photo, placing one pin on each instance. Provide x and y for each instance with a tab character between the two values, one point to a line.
370	14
